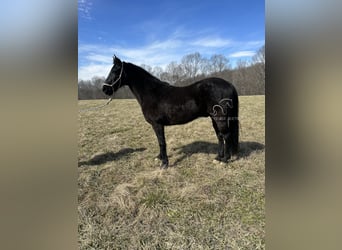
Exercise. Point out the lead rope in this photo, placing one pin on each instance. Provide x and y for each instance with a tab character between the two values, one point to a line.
97	107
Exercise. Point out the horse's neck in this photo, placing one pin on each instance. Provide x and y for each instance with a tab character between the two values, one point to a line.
144	90
142	84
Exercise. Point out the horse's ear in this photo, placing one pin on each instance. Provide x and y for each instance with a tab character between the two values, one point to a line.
116	60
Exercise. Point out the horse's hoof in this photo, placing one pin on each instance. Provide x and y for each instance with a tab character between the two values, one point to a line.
215	161
164	166
234	158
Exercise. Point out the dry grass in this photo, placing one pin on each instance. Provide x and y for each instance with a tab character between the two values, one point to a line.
126	202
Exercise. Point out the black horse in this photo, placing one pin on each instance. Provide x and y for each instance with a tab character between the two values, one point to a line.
163	104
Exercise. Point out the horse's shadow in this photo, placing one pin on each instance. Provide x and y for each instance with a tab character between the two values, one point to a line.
245	149
109	156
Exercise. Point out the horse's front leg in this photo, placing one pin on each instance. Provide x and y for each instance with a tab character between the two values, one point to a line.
159	130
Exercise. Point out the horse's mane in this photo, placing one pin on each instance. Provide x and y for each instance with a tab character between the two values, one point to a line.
145	73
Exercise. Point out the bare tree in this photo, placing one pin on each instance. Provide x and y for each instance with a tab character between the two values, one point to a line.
205	66
84	90
218	63
157	71
240	75
248	76
175	72
191	64
97	82
259	66
259	57
146	67
165	76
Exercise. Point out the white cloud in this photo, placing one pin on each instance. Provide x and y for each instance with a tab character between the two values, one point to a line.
167	44
96	59
84	7
246	53
255	43
156	54
99	58
212	42
89	71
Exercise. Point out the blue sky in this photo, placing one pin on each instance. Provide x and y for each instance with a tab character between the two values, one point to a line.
158	32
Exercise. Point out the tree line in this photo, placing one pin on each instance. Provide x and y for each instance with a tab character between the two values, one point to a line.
247	76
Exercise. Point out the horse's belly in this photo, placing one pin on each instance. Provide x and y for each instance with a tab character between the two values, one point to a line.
180	120
181	114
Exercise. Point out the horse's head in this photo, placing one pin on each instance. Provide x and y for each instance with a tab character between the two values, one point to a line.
113	81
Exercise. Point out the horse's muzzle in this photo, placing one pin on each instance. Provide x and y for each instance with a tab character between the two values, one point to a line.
108	90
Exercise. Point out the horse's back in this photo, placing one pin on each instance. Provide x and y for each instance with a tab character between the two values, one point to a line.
215	84
214	89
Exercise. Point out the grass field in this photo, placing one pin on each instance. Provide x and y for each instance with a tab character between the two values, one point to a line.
126	202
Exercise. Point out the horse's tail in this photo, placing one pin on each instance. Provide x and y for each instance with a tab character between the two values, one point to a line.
233	125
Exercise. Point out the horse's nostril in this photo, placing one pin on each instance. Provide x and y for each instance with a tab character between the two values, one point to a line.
107	90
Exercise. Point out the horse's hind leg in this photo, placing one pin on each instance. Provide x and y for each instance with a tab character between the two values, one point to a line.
220	153
227	147
223	134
